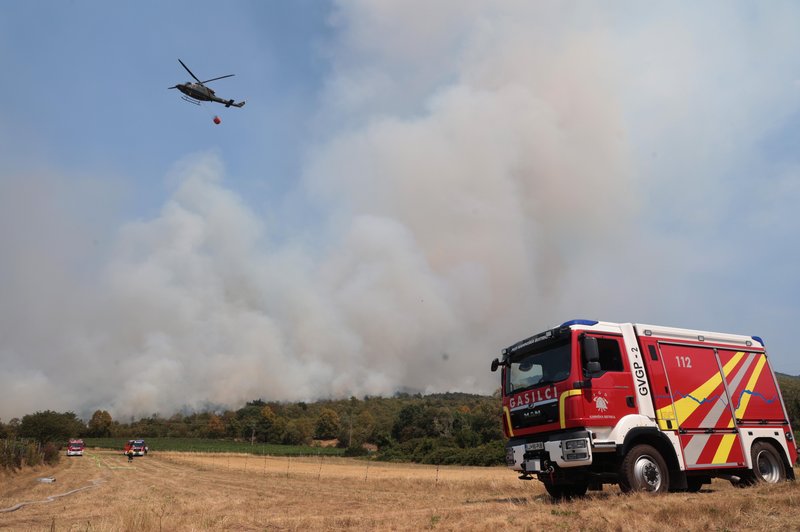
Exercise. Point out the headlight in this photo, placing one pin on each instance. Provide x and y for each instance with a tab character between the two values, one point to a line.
575	444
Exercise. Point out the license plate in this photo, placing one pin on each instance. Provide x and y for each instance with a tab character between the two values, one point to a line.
535	446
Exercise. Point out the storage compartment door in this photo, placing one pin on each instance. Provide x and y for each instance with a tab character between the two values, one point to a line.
696	386
754	396
702	406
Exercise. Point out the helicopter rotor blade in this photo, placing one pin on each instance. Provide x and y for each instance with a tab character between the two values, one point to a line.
221	77
189	71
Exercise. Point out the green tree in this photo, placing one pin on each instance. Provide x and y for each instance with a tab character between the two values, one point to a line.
487	422
12	427
267	425
327	424
49	426
298	432
410	423
215	427
100	424
232	425
248	418
179	426
356	430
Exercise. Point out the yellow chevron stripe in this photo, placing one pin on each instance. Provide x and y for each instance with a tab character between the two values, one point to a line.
561	413
724	449
751	383
686	406
507	417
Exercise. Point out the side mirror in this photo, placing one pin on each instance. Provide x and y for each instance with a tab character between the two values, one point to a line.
495	364
592	355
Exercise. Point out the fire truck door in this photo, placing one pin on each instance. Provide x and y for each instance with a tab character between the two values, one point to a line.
702	404
612	392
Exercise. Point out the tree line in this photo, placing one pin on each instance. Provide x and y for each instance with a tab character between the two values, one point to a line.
445	428
450	428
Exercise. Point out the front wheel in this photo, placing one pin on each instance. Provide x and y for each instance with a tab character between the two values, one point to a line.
565	491
644	469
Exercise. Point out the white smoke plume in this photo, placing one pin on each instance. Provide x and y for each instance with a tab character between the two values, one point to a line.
474	179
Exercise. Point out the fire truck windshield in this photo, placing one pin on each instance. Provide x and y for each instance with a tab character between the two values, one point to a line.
530	370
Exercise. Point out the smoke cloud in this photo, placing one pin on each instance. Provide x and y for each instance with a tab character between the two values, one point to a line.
472	184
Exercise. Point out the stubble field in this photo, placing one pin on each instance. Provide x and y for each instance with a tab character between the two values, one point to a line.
177	491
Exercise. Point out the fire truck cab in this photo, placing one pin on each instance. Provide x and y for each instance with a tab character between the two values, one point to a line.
649	408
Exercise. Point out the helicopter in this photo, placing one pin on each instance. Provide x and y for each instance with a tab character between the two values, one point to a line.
197	92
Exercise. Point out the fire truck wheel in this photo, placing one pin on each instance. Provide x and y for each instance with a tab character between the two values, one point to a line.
565	491
694	484
767	463
644	469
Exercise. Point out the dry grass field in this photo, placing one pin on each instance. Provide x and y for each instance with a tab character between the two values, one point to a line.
174	491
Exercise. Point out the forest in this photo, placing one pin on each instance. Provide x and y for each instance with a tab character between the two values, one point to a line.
448	428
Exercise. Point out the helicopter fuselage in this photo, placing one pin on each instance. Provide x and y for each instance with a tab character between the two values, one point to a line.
198	92
201	93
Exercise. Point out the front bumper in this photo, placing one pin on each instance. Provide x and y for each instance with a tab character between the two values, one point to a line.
543	455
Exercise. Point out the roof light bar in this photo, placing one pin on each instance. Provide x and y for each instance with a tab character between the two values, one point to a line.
580	322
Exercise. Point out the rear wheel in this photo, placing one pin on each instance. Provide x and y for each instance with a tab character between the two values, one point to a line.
767	463
644	469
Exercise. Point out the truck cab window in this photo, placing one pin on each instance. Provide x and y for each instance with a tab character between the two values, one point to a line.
539	368
610	355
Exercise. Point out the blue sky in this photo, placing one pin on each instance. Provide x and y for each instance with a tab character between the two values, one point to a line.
407	180
83	93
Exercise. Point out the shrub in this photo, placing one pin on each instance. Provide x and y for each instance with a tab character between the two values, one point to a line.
51	454
16	453
356	450
33	453
10	454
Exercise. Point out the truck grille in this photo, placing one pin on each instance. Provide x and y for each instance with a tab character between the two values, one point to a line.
534	415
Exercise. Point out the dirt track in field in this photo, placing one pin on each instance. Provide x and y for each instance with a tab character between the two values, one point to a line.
176	491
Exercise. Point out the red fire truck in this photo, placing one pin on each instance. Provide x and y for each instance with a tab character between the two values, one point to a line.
75	448
138	447
649	408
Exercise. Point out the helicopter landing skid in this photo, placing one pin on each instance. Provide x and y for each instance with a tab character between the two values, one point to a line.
190	100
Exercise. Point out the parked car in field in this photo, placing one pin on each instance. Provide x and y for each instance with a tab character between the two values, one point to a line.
139	447
75	448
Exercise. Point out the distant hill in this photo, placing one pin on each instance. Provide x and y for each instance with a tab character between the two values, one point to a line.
790	389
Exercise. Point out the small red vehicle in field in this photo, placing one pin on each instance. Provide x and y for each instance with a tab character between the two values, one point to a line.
75	448
138	447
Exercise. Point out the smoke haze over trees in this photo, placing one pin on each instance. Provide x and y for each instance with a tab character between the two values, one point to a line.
511	166
453	428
